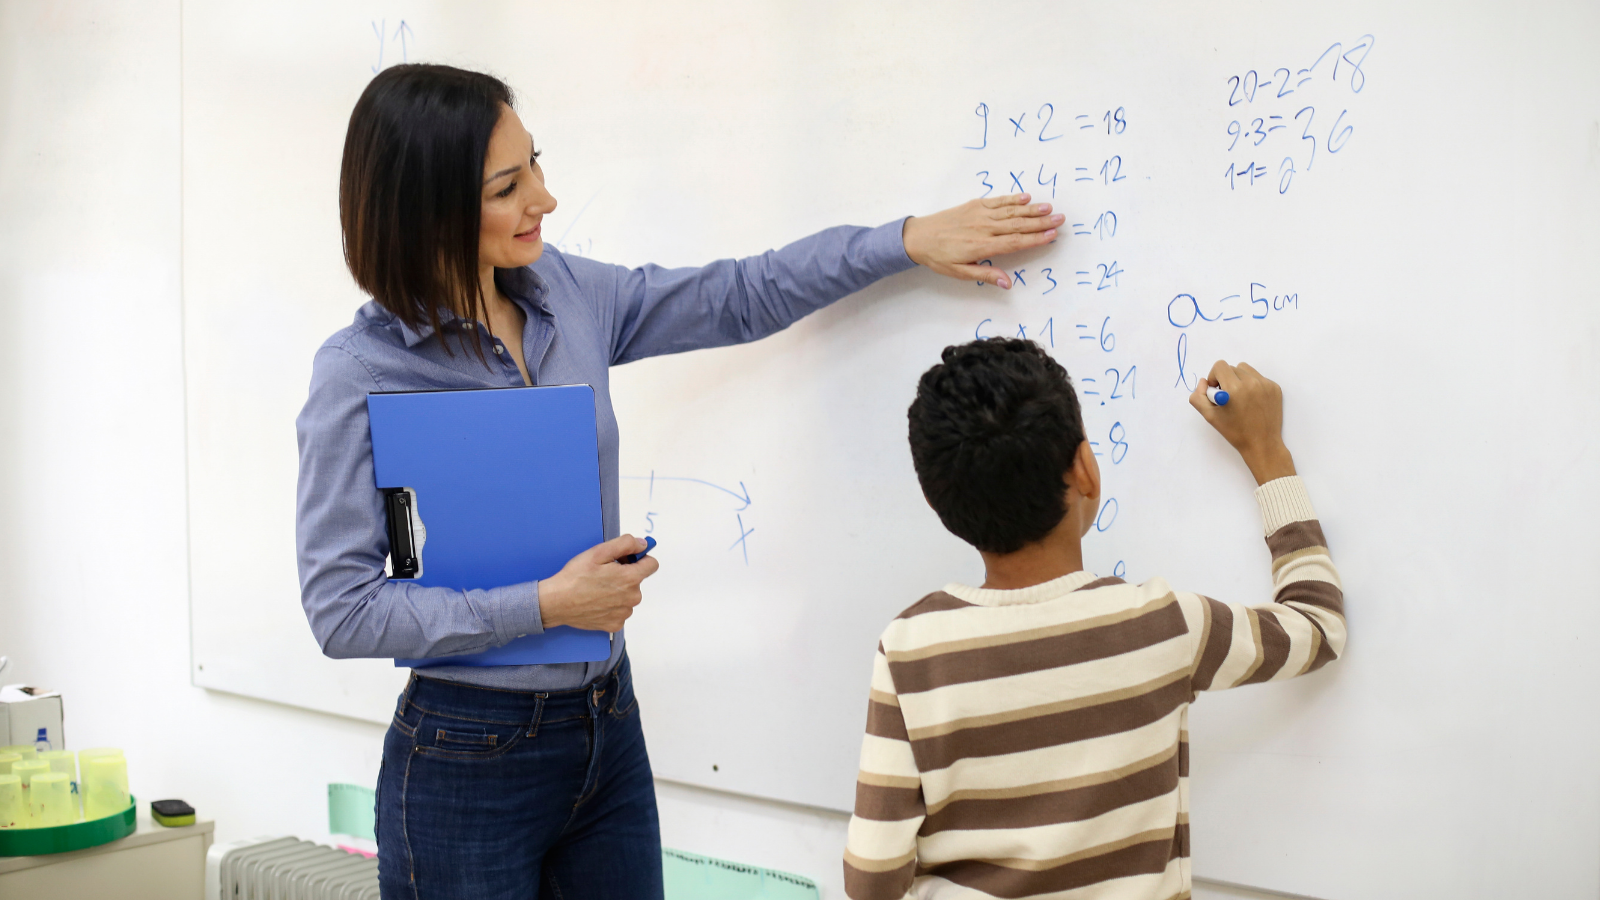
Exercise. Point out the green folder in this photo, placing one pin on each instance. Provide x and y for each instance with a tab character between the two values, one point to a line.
692	877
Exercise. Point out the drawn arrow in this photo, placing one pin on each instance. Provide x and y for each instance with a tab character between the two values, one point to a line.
742	495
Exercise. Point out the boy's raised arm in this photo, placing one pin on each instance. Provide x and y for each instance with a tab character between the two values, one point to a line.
1303	628
880	857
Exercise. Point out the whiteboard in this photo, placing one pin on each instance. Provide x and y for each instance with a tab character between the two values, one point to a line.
1411	254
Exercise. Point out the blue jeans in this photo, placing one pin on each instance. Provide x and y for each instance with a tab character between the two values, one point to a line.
488	794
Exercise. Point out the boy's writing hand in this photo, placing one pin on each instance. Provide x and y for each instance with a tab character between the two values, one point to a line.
1252	421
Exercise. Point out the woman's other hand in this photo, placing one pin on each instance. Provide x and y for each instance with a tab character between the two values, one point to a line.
595	592
955	241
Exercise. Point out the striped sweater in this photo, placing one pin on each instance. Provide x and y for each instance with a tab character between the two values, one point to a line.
1034	742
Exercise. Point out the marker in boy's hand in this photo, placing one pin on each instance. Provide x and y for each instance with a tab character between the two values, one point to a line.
1252	419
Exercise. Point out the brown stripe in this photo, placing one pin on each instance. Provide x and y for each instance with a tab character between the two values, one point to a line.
1219	637
1024	713
860	884
1296	536
1325	652
966	666
938	601
1148	857
1051	730
1180	841
1100	583
1274	647
1183	758
1058	784
885	721
888	804
1024	635
1055	807
1320	594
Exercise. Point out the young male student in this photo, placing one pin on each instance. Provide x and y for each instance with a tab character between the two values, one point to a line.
1028	738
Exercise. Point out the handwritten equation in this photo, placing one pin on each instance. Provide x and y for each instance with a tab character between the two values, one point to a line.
1276	128
1100	314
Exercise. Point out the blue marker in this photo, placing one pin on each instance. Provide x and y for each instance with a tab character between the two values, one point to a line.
1217	396
650	542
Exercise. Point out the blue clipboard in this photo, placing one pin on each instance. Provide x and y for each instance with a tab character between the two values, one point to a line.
506	482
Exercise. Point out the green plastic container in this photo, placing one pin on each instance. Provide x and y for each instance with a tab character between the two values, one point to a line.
77	836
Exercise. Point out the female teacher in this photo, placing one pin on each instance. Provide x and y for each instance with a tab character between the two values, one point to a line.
521	781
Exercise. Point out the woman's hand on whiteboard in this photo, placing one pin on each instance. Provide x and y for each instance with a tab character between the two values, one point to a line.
593	591
1252	420
954	242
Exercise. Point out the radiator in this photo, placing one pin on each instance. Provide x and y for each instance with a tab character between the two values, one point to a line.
287	868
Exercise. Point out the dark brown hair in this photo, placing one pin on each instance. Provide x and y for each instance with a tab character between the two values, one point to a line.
411	186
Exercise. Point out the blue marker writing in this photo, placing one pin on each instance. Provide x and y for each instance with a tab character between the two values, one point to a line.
650	542
1217	396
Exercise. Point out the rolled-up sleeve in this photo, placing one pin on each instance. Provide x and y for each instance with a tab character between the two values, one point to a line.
654	311
342	543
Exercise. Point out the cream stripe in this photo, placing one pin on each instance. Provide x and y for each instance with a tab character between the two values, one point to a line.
1060	784
1293	555
1031	634
1205	634
1311	655
1302	643
1038	593
887	757
1315	568
1045	709
1255	639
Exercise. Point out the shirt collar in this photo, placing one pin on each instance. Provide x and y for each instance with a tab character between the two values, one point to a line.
523	286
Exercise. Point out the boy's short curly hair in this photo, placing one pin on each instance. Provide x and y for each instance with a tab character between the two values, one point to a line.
994	429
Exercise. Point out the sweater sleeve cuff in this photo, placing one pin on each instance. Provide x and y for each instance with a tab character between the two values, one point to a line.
886	245
516	611
1282	501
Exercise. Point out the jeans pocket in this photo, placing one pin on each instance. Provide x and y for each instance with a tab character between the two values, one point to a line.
626	702
449	737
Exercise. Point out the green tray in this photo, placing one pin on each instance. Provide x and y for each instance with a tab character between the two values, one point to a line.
77	836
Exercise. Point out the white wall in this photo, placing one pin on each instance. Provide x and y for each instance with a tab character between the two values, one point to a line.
93	560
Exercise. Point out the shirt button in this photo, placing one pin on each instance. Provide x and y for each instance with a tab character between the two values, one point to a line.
499	349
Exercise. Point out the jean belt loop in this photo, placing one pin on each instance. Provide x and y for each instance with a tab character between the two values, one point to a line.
538	714
405	695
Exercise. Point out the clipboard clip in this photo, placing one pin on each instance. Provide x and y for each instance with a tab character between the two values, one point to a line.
406	533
